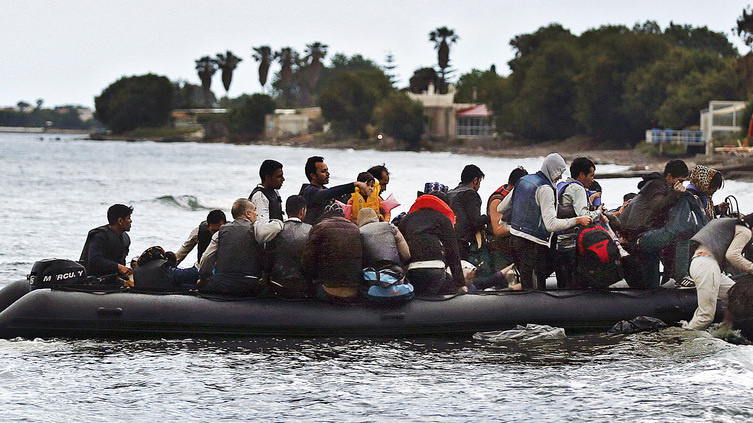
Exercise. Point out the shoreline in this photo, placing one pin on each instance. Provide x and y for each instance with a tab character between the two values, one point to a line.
638	162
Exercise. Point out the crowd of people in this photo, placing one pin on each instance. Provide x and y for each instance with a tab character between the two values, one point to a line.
534	225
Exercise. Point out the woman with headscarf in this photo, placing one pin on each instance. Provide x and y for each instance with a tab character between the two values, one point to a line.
704	182
532	207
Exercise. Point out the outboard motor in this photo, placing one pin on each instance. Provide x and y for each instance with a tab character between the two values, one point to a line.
55	272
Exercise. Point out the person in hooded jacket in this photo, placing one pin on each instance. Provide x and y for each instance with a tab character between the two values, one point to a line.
719	241
156	271
383	244
532	207
649	210
428	230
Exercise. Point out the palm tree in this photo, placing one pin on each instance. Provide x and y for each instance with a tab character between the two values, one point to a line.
287	57
264	56
442	38
206	67
227	62
314	54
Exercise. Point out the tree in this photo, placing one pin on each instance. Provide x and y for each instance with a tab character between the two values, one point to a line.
248	119
287	57
227	62
421	79
442	38
389	68
40	102
347	102
135	101
264	56
206	67
22	105
315	52
745	27
402	118
190	96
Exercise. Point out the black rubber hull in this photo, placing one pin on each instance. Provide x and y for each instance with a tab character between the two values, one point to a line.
57	313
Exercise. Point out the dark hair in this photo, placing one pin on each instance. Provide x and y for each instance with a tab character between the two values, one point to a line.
268	168
365	177
677	168
294	204
717	181
311	165
516	174
378	170
118	211
628	196
470	172
216	216
581	165
595	186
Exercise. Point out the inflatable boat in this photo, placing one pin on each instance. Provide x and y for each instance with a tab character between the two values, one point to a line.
91	311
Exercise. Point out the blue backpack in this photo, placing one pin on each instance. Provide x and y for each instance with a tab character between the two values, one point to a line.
387	285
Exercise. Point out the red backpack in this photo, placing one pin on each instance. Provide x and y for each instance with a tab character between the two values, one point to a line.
599	261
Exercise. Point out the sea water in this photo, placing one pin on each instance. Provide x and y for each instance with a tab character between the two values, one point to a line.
54	188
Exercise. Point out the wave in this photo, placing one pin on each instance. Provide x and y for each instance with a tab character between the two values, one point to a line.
185	202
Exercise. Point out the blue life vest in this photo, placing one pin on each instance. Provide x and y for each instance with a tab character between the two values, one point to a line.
526	213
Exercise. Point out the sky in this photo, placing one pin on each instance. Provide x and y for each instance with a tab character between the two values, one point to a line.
67	52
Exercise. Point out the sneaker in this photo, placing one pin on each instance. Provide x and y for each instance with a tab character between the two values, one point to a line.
685	283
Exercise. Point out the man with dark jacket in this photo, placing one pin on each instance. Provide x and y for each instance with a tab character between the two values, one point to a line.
317	196
649	210
658	193
201	235
466	203
231	264
287	277
106	247
333	255
433	247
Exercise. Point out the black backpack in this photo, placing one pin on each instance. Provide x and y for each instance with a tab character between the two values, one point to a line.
599	260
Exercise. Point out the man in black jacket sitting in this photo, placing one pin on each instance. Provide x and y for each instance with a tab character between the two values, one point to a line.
106	247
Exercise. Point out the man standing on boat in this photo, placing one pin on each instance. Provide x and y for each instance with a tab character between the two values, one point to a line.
201	236
532	209
232	262
317	196
106	247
